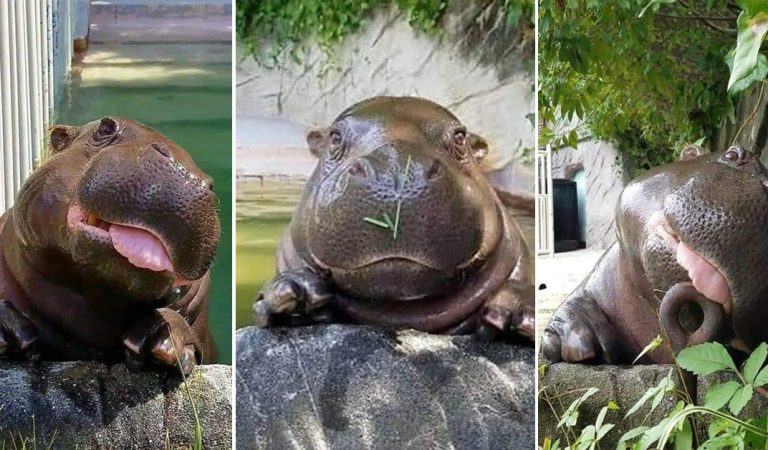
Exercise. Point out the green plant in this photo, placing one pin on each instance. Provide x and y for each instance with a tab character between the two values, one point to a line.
197	435
277	30
650	76
18	441
724	429
387	223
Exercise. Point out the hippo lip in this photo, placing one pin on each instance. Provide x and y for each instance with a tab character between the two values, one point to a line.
140	246
706	277
395	259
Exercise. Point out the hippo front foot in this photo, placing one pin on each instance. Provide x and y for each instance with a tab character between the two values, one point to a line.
163	338
293	298
17	334
509	314
580	332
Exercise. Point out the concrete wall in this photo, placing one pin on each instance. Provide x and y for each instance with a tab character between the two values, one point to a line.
490	93
603	181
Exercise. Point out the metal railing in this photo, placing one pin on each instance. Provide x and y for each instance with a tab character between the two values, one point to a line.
545	239
35	57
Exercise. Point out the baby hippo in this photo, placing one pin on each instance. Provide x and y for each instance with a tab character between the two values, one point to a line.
107	251
686	265
398	227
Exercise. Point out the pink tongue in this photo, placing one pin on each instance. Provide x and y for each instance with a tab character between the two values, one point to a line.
141	248
706	279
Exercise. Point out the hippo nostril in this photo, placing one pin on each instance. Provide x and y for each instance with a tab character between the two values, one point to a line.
434	170
162	149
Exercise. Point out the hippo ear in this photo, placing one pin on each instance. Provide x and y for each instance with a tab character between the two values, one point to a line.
692	151
478	146
318	141
61	136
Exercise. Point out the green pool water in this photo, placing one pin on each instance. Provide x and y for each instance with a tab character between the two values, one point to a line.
264	209
184	91
263	212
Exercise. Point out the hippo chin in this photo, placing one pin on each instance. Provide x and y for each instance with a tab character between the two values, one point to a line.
107	250
398	227
683	266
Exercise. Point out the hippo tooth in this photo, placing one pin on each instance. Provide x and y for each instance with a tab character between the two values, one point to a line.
92	219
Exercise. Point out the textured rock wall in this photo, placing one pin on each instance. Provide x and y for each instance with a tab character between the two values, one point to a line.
357	387
564	383
489	86
604	181
91	405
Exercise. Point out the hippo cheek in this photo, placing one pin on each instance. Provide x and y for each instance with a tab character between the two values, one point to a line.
150	202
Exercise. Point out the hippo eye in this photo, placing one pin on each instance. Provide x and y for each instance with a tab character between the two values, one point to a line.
460	138
337	149
459	146
108	130
732	155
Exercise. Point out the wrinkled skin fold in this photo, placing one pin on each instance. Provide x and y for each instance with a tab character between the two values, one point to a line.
107	251
398	227
690	235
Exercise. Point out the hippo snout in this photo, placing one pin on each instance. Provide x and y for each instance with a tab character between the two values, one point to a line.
157	192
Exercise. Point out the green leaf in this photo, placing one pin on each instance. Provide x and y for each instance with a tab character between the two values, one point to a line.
631	434
758	73
751	33
740	399
684	437
706	358
762	378
571	414
755	362
654	4
612	406
653	345
657	393
753	440
718	395
388	221
376	222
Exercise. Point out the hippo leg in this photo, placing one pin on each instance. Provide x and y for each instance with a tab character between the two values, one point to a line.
17	334
299	294
579	332
511	312
163	338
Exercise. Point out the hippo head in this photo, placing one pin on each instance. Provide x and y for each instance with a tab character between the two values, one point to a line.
397	208
119	206
714	225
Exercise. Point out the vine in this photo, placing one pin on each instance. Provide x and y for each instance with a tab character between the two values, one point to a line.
274	31
651	76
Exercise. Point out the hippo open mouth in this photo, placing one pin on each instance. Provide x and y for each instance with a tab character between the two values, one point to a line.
705	276
140	246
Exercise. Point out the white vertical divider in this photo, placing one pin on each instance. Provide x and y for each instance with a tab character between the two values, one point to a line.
34	35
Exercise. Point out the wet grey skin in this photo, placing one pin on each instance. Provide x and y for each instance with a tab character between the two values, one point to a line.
65	291
716	205
398	227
